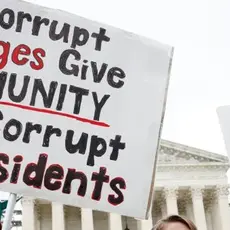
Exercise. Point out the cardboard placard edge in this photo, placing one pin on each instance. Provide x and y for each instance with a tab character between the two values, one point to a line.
159	135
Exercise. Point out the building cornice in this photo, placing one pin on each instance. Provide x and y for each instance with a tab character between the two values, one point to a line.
222	166
194	151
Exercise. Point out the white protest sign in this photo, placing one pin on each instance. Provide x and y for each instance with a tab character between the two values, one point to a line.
81	109
224	120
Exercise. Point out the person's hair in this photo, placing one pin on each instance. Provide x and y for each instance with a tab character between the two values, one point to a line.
172	219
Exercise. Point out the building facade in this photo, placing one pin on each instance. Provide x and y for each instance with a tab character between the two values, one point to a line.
189	182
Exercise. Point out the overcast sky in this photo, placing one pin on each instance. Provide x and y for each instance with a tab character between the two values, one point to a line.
199	31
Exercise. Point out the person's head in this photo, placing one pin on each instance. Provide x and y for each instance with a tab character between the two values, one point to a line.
175	222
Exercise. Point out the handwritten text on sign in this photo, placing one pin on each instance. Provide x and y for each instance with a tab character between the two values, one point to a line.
80	109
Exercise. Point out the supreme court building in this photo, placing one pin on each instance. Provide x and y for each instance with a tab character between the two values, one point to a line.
189	181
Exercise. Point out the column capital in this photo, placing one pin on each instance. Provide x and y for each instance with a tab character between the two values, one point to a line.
222	190
196	192
28	200
86	210
170	192
209	199
60	205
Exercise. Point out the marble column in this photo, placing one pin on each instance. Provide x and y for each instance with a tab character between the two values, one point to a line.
223	212
170	195
115	221
87	219
145	224
198	208
28	214
58	216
